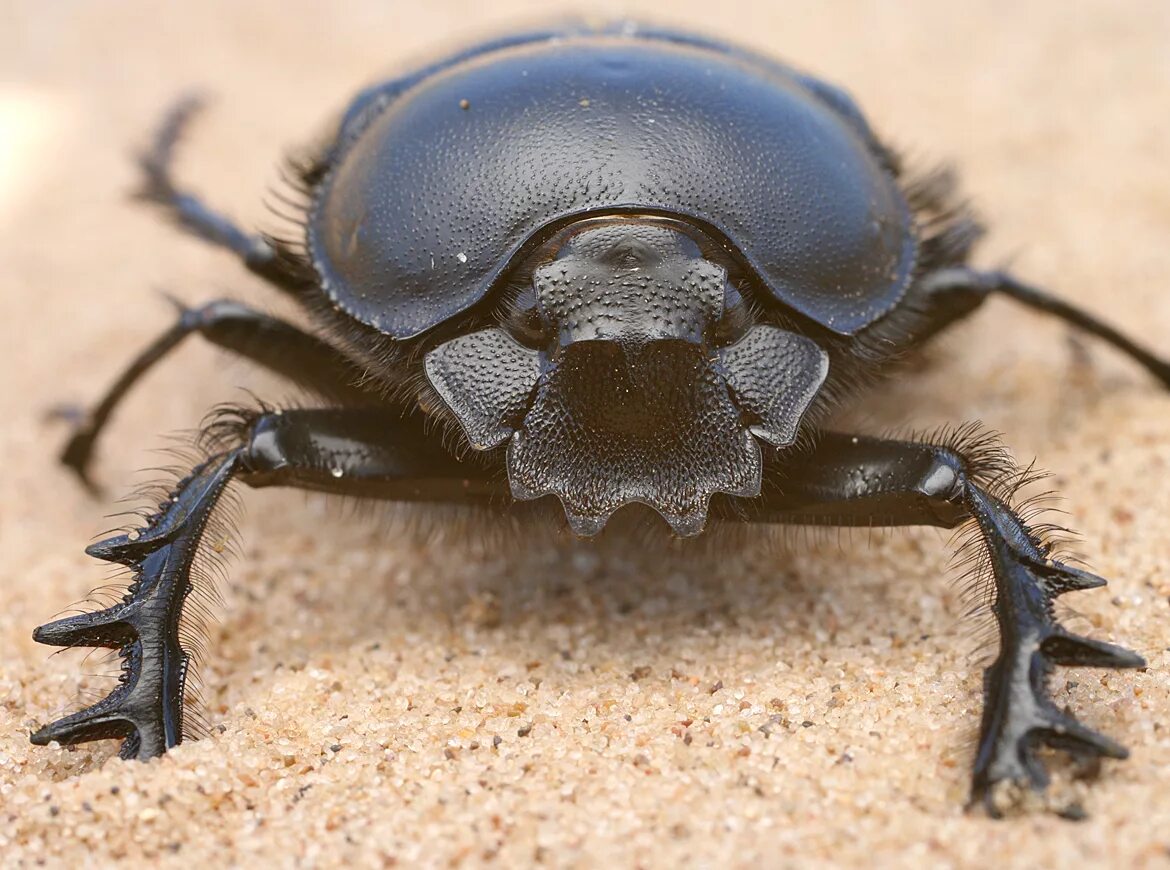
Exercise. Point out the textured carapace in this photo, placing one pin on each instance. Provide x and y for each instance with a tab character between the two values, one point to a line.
438	182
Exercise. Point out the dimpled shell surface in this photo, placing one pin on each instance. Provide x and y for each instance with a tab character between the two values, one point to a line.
438	181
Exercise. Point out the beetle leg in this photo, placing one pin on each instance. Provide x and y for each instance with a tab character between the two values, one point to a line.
851	480
146	707
262	255
946	298
373	452
952	293
273	343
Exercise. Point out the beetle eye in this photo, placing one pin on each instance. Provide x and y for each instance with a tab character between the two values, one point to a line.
737	318
523	321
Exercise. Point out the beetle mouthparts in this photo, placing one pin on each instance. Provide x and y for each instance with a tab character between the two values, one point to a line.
610	425
663	423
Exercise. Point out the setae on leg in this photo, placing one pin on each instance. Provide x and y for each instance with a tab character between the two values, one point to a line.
357	452
850	480
146	708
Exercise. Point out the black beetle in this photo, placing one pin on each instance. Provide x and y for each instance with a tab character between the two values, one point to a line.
624	265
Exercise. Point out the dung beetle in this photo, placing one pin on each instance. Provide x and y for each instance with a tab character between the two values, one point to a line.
618	266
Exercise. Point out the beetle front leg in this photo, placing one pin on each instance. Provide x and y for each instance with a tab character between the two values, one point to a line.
850	480
357	452
146	707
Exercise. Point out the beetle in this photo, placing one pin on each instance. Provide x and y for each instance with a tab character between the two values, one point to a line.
616	266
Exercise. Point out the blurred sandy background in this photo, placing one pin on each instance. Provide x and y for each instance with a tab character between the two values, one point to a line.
373	699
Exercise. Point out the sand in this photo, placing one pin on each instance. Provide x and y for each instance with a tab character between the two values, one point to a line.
379	696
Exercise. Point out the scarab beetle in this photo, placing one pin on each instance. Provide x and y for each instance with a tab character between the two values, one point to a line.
620	266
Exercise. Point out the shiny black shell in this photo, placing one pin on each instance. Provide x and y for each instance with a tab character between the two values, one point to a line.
438	181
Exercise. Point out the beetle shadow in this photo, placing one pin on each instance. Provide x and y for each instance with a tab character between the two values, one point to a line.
470	580
524	589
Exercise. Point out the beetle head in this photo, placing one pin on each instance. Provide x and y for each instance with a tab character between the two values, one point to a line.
628	382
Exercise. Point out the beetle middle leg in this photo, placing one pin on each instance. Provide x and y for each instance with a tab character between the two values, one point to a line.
279	346
367	452
951	294
850	480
